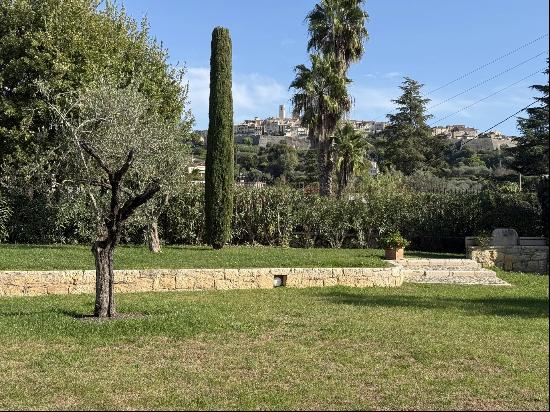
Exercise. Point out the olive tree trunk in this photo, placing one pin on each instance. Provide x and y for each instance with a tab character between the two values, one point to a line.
103	250
111	228
153	237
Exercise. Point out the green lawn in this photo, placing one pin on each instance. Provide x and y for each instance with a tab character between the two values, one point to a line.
414	347
31	257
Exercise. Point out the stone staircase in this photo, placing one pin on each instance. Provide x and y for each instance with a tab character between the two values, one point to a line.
456	271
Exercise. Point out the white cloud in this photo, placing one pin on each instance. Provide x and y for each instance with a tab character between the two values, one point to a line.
253	95
199	86
389	75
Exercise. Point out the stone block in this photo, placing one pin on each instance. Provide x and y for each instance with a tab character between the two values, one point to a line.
79	289
346	280
143	284
323	273
264	280
215	274
314	282
504	237
282	271
167	282
364	282
185	282
223	284
57	289
204	282
13	290
295	280
36	290
231	274
330	281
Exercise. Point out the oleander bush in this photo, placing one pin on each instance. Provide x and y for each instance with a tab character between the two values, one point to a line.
5	213
282	216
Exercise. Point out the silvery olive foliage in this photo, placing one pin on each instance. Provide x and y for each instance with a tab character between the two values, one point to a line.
109	129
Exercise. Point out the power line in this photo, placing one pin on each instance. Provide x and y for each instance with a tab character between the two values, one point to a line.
486	81
485	98
509	117
489	63
479	68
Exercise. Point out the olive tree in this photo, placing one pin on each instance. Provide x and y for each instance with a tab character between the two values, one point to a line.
122	155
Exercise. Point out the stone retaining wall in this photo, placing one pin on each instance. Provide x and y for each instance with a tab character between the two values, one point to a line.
33	283
516	258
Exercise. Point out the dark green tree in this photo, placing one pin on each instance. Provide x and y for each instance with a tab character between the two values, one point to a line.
531	153
219	180
278	160
409	144
68	45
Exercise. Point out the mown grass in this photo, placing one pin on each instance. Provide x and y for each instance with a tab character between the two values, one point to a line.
52	257
414	347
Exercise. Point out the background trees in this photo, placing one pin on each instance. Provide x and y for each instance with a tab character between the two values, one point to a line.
409	144
531	153
219	179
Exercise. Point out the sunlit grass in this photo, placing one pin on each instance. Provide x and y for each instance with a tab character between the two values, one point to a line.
414	347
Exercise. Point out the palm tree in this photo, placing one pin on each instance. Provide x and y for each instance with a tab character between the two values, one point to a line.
337	27
350	151
320	99
337	33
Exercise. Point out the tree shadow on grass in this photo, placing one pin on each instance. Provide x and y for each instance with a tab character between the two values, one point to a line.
525	307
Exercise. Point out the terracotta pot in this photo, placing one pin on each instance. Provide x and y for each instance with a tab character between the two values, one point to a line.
395	254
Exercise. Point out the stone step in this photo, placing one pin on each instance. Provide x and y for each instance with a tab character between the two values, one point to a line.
445	264
467	276
407	272
462	280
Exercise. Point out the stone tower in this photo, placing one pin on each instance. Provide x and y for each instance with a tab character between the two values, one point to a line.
282	113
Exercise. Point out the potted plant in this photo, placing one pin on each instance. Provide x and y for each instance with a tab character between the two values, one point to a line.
394	245
483	238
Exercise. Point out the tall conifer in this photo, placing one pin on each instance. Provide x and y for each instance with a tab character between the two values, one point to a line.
219	178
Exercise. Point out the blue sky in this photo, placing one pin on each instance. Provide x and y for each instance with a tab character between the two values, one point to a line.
432	41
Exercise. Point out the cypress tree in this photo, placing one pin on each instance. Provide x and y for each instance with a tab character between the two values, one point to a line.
219	180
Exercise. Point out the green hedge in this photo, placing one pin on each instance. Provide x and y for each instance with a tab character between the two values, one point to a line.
283	216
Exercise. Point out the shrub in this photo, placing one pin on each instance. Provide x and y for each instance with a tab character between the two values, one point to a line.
393	240
543	194
5	213
281	216
483	238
